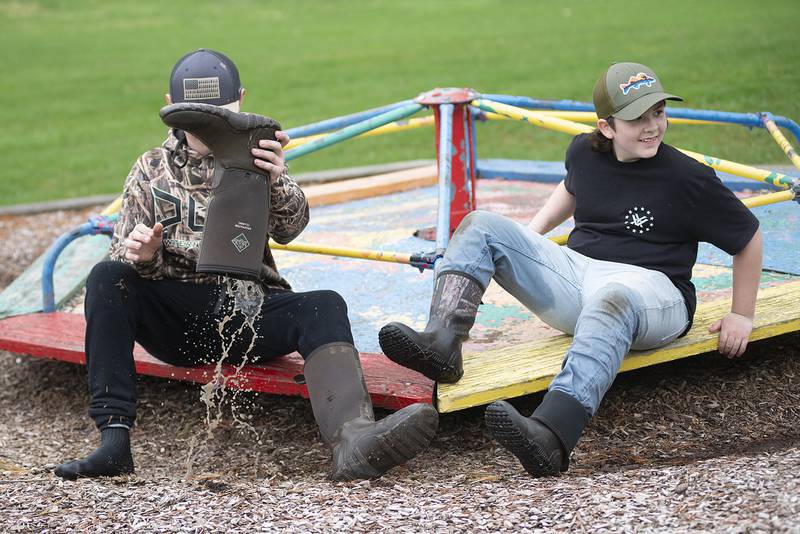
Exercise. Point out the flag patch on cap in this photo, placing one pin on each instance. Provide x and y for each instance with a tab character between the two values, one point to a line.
635	82
201	88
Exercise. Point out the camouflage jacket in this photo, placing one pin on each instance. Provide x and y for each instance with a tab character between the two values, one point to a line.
158	190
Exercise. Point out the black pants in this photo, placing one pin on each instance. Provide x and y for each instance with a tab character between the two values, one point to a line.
178	323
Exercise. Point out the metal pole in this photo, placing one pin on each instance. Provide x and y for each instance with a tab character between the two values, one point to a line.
552	123
790	125
770	198
99	224
353	130
772	128
587	116
445	178
343	121
363	254
397	126
745	119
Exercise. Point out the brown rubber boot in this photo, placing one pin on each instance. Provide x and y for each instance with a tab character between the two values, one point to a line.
362	447
436	351
235	232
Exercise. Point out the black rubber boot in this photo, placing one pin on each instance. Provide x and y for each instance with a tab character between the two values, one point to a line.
235	232
362	447
436	351
542	442
112	458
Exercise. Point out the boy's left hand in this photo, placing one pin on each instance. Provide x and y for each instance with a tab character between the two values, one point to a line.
269	156
734	331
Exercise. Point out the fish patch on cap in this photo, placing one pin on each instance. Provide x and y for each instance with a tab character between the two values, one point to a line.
635	82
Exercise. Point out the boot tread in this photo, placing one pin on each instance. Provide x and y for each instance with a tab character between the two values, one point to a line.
502	426
401	348
400	437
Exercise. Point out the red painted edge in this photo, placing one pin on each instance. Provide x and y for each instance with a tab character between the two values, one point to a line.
60	336
447	95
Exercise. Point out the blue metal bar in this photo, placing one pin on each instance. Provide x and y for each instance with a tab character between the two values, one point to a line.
353	130
98	224
536	103
751	120
445	176
341	122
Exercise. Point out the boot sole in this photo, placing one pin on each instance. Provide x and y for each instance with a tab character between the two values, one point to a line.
401	349
502	427
398	444
239	122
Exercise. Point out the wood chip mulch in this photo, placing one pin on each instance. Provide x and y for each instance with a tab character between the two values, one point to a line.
705	444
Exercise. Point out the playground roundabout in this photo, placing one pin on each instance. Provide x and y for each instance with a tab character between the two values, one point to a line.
707	443
701	443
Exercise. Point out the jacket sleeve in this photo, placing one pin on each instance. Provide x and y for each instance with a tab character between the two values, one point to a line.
288	209
137	207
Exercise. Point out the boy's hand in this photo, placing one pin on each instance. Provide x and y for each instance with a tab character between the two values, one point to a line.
270	155
734	331
143	242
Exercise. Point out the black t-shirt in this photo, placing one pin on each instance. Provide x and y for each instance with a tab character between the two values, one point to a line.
652	212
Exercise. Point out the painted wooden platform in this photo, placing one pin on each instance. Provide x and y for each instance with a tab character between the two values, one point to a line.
60	336
377	293
525	368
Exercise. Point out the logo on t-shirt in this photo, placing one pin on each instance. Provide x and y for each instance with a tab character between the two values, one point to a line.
639	220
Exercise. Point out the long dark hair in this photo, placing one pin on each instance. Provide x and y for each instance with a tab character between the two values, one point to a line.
599	142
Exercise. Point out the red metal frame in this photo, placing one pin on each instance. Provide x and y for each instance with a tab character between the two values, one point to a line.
60	336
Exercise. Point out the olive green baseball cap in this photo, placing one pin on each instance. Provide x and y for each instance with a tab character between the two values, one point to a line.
627	90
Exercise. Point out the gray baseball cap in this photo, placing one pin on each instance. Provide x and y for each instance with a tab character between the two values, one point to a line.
627	90
205	76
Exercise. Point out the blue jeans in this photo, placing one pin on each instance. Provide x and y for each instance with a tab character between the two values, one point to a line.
608	307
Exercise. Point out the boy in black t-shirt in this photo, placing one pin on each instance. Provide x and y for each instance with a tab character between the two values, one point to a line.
622	282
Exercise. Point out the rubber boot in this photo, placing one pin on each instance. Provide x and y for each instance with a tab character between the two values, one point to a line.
544	441
362	447
235	232
436	351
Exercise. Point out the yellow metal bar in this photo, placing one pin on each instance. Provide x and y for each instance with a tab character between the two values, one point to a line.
534	117
561	125
784	143
376	255
419	122
770	198
589	117
398	126
364	254
745	171
114	207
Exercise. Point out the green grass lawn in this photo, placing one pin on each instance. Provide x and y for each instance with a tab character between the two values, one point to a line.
83	80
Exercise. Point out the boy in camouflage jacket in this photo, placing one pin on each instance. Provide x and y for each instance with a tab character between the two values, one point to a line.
150	293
